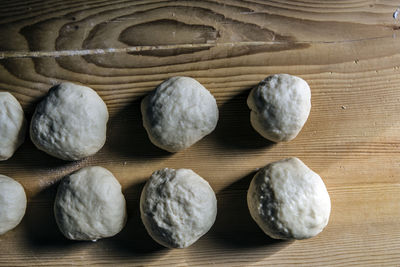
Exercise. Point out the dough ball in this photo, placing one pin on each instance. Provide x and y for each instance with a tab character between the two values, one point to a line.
12	203
70	122
179	113
288	200
90	205
12	125
280	105
177	207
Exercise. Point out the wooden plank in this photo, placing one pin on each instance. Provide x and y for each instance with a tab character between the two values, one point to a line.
348	51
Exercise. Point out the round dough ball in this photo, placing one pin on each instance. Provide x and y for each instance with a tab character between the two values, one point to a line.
12	125
12	203
288	200
280	105
178	113
70	122
90	205
177	207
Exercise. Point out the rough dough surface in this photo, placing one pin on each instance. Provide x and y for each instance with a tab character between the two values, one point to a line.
280	105
12	203
288	200
177	207
12	125
178	113
70	122
90	205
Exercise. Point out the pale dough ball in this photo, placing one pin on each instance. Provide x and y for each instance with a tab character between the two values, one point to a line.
90	205
280	105
177	207
12	125
70	122
179	113
12	203
288	200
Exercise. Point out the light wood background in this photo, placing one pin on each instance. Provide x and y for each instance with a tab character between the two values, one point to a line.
348	51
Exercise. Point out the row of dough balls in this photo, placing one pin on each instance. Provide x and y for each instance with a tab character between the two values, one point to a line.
70	122
285	198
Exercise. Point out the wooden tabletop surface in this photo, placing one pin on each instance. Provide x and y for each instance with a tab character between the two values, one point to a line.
347	50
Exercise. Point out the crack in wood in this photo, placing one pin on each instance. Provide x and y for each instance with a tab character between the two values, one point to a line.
101	51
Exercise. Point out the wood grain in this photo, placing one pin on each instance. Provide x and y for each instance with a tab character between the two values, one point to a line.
348	51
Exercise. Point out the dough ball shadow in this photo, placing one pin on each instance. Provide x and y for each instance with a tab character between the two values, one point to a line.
234	226
133	240
41	228
127	137
234	130
28	156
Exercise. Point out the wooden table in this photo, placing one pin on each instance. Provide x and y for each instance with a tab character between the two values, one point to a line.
348	51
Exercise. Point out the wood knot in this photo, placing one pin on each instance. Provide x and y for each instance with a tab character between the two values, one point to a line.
168	32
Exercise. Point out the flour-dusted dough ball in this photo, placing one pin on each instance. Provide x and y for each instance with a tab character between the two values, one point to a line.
177	207
288	200
90	205
12	125
70	122
12	203
280	105
178	113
